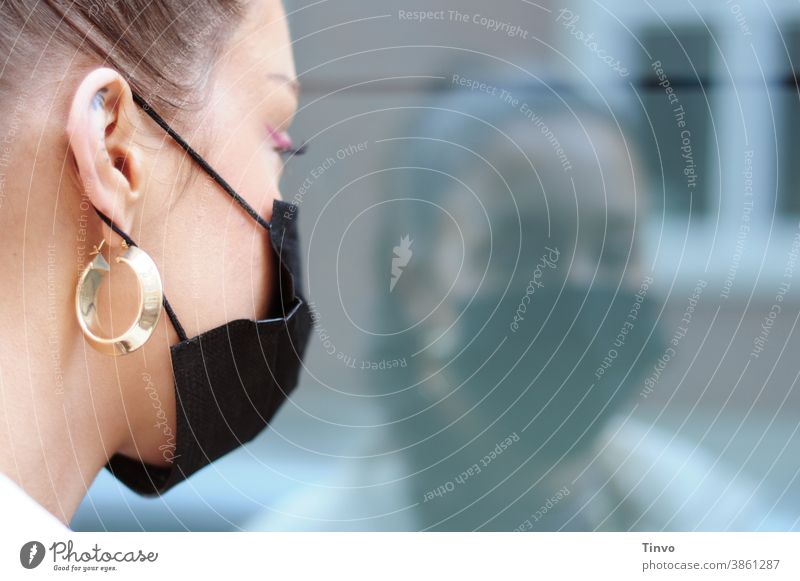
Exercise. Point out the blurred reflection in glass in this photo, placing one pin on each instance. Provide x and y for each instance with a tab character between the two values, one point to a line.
523	313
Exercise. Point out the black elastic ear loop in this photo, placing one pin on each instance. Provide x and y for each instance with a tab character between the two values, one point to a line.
200	161
167	307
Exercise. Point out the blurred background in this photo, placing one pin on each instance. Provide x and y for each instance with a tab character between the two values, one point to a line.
550	249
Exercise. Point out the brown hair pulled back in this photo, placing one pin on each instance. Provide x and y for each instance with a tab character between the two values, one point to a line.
164	48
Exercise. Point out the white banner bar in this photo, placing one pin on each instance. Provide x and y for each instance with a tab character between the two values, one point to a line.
402	556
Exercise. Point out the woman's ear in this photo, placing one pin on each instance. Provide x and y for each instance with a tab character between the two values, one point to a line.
100	128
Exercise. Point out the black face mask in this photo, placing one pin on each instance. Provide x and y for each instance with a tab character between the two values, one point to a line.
229	381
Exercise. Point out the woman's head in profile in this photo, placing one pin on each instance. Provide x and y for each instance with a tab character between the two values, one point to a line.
149	267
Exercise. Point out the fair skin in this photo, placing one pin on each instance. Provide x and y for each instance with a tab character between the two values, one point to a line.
65	408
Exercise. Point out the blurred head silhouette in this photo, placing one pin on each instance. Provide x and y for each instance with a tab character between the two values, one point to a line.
523	208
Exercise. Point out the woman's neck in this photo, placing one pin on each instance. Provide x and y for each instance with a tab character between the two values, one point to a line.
56	419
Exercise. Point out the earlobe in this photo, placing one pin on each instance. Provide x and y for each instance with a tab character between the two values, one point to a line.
100	129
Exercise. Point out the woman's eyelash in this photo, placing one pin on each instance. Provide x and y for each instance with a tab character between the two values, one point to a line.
283	143
291	151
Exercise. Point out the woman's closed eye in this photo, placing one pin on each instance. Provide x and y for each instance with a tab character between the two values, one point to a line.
292	151
283	144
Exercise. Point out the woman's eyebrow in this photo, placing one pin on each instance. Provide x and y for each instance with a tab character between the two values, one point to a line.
293	84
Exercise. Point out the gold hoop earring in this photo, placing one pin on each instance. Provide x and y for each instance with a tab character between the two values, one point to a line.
150	307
